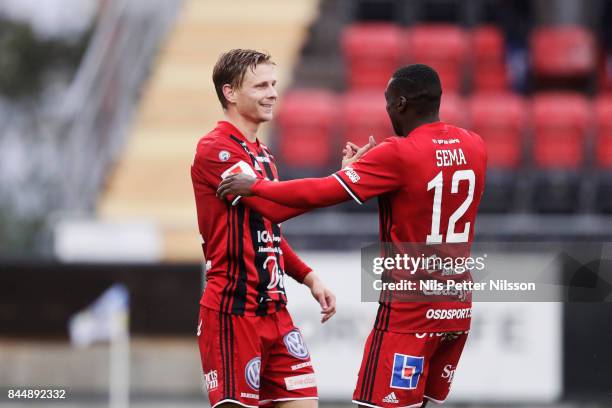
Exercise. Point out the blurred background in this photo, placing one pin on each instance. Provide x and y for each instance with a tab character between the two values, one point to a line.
102	103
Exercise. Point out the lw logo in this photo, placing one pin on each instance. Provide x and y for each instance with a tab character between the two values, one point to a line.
251	373
295	345
448	373
276	275
406	371
211	380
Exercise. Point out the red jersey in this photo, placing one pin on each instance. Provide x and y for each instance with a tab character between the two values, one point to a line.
429	186
246	254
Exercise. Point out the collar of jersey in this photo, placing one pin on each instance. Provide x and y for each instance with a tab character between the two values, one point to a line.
428	127
230	129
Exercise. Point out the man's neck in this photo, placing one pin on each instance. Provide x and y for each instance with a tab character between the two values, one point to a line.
421	122
246	127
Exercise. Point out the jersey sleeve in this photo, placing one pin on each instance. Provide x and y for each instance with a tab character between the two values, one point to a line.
215	161
294	266
377	172
306	193
276	213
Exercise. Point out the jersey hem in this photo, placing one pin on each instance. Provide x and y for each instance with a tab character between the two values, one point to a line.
266	401
418	404
435	401
414	331
235	402
251	314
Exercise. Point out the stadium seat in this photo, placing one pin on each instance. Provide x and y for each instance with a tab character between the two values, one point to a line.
603	123
363	114
442	46
603	153
560	126
489	72
560	123
453	109
372	53
500	119
306	128
562	52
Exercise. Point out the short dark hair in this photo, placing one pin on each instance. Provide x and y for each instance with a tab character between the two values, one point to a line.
231	67
420	84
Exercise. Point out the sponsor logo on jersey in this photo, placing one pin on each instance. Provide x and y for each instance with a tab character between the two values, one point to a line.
300	381
406	371
276	274
295	345
251	373
448	314
239	168
211	380
249	395
391	398
423	335
224	155
352	174
264	237
448	372
301	365
443	142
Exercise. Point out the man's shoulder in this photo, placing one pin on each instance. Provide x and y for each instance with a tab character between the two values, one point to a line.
466	133
217	144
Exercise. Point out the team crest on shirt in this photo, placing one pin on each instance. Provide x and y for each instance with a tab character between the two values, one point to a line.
295	345
406	372
224	155
251	372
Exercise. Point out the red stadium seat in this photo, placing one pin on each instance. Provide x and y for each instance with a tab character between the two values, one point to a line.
603	123
306	127
372	53
500	119
442	46
567	51
452	109
489	70
363	113
560	122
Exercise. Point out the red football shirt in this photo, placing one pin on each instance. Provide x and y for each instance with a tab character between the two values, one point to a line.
429	186
245	250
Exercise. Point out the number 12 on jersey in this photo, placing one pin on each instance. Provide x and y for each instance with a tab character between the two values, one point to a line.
437	184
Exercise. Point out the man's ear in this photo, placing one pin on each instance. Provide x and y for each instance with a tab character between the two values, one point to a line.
229	93
402	103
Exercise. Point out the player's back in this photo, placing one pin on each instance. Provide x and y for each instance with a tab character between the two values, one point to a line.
442	172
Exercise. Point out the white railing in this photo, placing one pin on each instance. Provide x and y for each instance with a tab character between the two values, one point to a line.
100	103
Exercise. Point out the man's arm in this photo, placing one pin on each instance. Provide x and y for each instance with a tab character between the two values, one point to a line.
302	273
276	213
294	266
307	193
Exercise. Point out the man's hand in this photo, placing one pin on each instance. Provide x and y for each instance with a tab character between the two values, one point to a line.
322	294
352	152
236	184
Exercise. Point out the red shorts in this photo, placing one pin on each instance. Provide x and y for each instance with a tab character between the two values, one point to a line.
401	369
254	360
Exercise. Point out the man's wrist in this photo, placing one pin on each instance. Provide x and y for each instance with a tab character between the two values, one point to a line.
256	184
310	278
